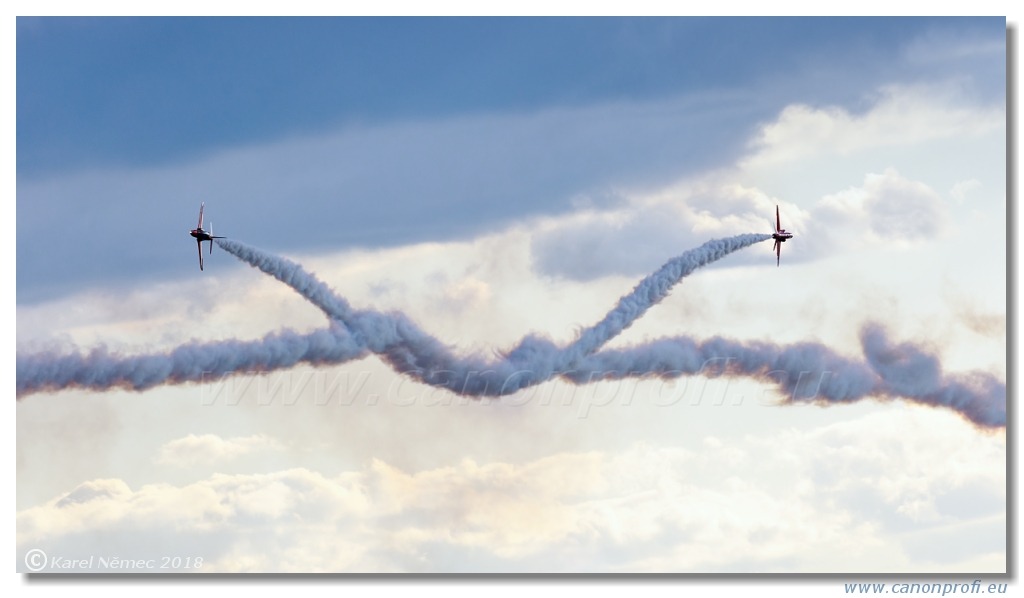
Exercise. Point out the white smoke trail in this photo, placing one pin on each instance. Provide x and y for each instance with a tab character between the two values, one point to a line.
412	351
397	339
650	292
193	362
910	372
807	372
812	372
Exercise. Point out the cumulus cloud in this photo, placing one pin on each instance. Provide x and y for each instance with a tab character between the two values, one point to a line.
636	235
812	500
195	450
887	207
899	116
594	244
92	490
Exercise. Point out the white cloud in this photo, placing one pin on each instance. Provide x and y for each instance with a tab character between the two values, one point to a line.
195	450
899	116
820	499
886	208
646	229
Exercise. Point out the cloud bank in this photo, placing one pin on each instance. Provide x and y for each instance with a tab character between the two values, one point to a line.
807	494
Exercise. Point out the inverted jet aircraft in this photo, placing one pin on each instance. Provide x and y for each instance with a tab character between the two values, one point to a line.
201	235
780	235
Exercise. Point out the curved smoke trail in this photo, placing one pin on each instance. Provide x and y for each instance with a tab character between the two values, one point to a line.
807	372
410	350
352	333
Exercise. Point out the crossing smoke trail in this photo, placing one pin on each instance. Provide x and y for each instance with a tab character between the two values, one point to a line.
807	372
393	336
410	350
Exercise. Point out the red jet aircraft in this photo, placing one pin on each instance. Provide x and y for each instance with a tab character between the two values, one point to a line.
780	235
201	235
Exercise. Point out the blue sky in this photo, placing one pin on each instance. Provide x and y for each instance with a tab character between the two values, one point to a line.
99	98
491	179
102	92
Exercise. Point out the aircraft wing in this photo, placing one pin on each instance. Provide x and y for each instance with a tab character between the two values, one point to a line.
199	244
201	206
778	252
778	221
